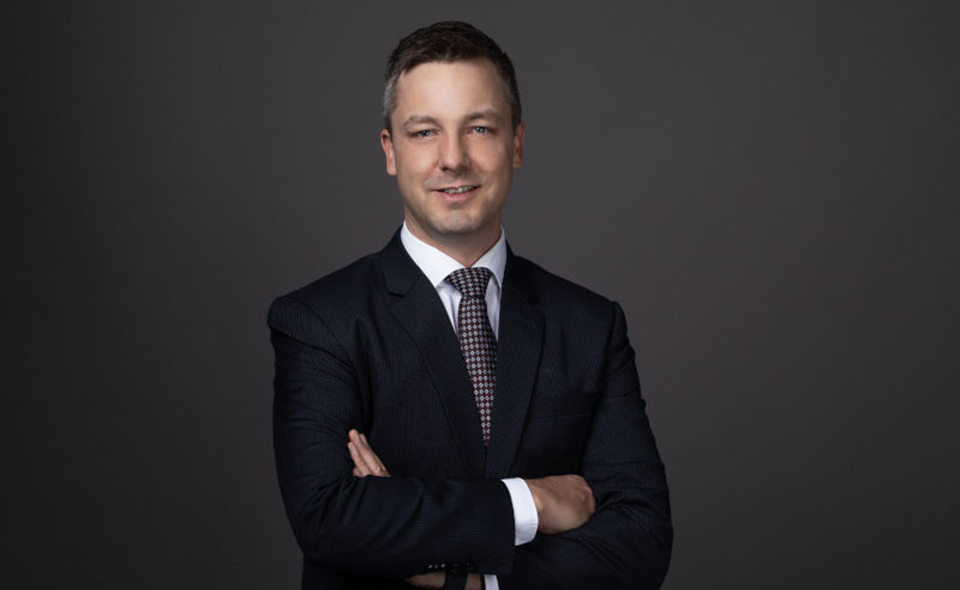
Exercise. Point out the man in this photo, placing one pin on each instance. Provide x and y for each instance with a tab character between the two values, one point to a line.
448	414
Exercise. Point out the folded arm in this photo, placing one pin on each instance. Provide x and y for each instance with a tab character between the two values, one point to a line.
563	502
627	542
391	527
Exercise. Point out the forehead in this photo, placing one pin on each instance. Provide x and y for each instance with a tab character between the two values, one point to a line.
438	88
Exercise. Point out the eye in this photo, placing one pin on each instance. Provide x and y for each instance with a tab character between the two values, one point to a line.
481	129
422	133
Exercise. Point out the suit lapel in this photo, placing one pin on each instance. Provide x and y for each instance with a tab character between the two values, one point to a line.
418	308
518	356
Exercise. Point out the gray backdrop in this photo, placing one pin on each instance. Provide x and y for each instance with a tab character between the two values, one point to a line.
769	188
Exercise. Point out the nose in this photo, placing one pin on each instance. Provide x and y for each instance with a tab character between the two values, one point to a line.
453	153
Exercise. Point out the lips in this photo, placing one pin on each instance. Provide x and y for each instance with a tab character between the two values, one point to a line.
458	190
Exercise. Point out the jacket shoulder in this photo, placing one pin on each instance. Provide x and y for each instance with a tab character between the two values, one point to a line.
551	290
337	293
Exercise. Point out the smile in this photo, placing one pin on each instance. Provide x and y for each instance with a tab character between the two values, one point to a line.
458	190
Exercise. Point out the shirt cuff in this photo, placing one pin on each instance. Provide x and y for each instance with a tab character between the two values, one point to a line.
490	582
525	516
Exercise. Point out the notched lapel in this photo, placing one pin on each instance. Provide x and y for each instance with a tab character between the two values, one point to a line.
518	357
418	308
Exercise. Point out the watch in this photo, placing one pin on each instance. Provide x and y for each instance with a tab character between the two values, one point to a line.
456	578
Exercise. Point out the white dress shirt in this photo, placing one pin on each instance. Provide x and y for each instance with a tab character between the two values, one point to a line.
437	266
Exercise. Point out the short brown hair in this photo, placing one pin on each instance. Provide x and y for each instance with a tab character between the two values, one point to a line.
448	41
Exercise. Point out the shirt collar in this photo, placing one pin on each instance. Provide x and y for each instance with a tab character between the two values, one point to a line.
437	265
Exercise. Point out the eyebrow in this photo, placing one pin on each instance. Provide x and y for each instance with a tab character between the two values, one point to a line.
488	114
420	119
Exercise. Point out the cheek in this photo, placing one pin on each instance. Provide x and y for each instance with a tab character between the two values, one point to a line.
492	158
414	163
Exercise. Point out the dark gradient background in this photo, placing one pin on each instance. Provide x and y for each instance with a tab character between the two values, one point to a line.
769	188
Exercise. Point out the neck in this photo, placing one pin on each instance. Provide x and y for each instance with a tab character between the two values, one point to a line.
465	249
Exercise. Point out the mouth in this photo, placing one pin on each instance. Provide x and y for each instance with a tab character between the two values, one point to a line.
454	191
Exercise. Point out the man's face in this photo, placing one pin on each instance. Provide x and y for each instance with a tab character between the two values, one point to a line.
453	150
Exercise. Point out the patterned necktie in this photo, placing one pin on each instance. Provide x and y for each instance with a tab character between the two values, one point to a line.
477	342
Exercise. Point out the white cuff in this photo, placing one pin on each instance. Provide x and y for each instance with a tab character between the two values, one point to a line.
490	582
525	516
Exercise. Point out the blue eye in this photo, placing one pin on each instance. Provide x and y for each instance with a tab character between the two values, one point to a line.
481	129
424	133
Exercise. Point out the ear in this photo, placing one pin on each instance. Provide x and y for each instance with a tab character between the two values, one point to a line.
387	143
518	134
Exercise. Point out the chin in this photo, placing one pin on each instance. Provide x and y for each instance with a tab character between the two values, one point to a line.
458	225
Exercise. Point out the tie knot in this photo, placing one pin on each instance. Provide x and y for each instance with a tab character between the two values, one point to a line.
471	282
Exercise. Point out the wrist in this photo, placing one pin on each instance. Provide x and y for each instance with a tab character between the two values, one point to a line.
456	578
536	493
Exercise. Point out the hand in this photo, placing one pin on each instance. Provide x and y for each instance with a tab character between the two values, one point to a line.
438	579
563	502
431	580
366	462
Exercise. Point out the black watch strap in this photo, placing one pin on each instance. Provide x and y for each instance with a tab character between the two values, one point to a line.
456	578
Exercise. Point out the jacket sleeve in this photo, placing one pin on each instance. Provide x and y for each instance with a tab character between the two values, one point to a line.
390	527
627	543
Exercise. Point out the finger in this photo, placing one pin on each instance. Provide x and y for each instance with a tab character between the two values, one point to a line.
363	456
378	465
371	459
431	580
360	461
360	468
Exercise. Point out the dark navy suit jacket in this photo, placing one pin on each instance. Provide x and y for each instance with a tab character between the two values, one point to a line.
371	347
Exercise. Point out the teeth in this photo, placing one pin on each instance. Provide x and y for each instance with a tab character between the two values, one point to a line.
458	191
